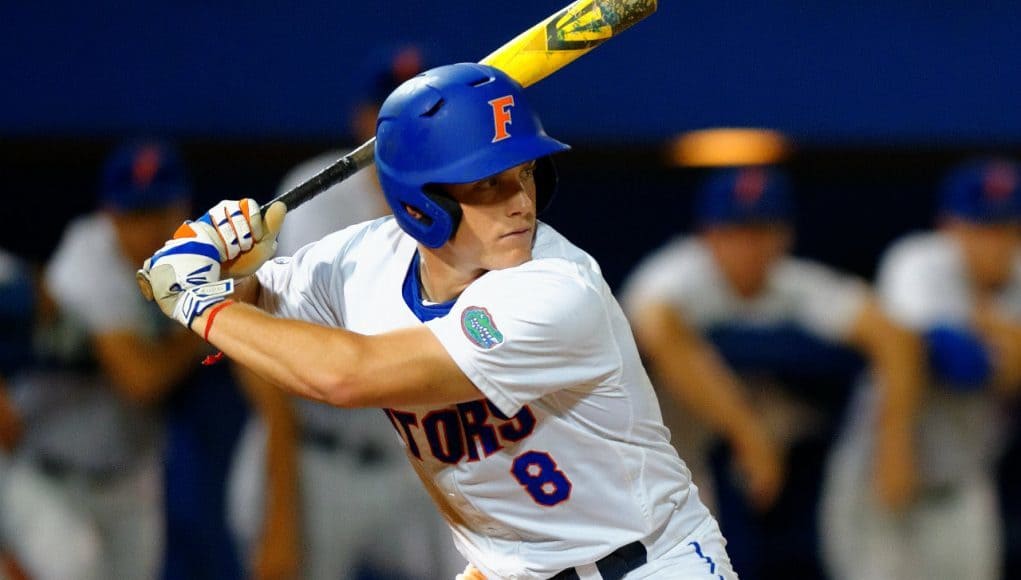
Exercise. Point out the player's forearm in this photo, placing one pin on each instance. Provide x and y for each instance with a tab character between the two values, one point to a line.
143	370
1003	340
276	411
707	388
700	382
899	375
694	373
896	357
10	423
302	358
277	551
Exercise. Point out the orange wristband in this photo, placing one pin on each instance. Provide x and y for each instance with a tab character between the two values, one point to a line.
212	314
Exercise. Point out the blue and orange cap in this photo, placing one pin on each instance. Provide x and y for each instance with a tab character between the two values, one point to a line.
983	191
744	195
144	175
388	67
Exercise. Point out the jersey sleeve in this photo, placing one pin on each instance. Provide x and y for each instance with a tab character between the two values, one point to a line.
827	303
304	286
919	286
522	333
665	277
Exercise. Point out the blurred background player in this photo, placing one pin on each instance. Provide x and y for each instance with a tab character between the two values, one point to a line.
83	497
17	310
358	198
754	343
960	288
315	488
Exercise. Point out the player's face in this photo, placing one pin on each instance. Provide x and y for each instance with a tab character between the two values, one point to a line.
746	253
989	250
498	219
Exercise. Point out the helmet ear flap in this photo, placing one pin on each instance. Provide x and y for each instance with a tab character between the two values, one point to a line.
453	209
545	188
545	182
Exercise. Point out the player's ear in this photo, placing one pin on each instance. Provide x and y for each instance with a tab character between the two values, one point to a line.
414	212
439	195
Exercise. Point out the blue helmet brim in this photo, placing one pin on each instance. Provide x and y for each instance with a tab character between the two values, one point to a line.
493	160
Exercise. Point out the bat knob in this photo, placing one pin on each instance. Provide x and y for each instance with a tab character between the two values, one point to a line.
144	284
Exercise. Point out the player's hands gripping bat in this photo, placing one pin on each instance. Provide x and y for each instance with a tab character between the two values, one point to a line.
233	239
530	57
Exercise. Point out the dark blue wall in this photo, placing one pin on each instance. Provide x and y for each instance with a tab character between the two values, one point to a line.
887	71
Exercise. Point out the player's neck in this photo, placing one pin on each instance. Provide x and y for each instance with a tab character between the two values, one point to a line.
442	280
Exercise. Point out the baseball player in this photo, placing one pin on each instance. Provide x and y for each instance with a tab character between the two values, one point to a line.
960	288
336	536
83	498
732	323
493	345
17	309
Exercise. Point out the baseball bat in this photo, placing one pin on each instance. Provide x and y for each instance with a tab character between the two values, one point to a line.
530	57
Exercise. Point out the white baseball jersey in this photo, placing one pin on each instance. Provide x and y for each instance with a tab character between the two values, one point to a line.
75	415
809	296
566	458
684	274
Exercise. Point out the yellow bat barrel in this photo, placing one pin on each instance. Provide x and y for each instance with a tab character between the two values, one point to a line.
571	32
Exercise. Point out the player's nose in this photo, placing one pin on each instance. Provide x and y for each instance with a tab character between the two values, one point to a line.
520	197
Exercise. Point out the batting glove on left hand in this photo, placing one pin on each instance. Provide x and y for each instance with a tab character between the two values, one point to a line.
183	276
192	302
185	299
190	259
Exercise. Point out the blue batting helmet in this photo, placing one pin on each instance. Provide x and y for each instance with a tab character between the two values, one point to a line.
983	190
144	175
455	124
743	195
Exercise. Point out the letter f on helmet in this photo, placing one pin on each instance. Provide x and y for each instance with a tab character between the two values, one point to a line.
501	117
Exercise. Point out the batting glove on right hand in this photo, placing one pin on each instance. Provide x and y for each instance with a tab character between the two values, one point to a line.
246	238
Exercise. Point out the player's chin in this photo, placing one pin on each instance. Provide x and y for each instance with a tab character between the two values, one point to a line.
509	258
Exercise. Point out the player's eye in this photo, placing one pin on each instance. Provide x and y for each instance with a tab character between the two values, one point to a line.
484	184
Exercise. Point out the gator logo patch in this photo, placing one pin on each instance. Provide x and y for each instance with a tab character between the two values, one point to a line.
479	327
